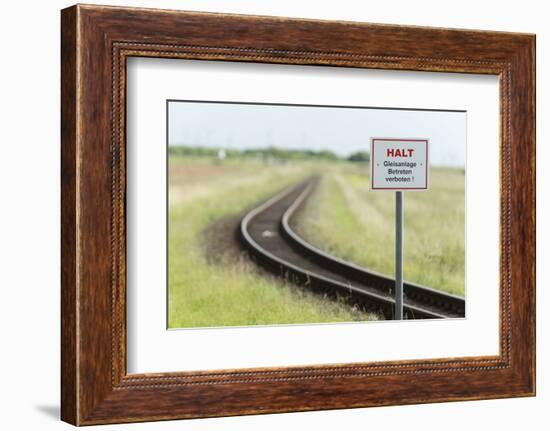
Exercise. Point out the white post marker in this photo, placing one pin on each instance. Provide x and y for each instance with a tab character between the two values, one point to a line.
399	164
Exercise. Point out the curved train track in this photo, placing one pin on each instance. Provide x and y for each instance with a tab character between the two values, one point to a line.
267	233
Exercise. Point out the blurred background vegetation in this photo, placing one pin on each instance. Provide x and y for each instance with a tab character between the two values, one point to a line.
270	153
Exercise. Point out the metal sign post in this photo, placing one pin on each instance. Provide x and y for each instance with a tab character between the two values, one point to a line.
399	164
398	315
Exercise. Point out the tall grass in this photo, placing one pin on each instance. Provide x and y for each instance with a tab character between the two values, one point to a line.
344	218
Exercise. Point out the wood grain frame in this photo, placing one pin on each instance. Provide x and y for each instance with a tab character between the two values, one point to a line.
96	42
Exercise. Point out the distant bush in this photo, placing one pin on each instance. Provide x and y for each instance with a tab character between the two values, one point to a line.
199	151
271	153
360	156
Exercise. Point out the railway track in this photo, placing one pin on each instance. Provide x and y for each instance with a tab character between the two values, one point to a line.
267	233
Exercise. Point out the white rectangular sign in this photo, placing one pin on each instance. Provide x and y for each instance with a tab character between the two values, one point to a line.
399	164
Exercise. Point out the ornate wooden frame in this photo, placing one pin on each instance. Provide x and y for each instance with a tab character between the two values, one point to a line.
96	41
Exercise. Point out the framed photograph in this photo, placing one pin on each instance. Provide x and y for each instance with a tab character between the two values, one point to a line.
264	214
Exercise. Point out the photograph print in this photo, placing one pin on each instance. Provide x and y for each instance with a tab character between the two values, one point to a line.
286	214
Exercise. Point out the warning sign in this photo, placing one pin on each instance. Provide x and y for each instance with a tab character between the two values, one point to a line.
399	164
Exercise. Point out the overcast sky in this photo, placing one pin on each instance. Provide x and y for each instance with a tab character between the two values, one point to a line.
341	130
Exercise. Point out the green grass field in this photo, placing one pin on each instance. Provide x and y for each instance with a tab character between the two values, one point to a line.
212	283
347	220
229	290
